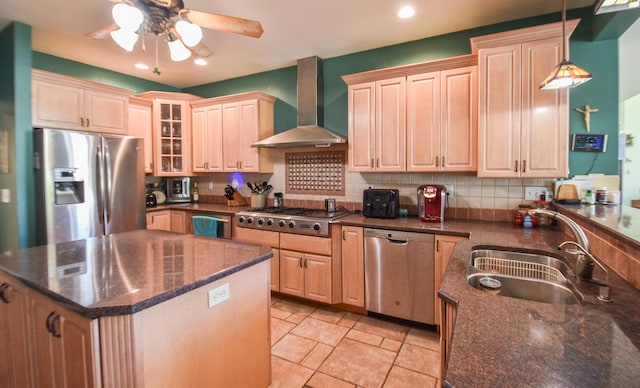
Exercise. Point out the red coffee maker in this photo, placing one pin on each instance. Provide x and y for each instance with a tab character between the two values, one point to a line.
431	203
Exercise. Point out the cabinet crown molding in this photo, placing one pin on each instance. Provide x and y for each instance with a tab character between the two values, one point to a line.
175	96
522	35
412	69
51	77
255	95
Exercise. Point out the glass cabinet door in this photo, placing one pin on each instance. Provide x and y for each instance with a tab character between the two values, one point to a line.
171	137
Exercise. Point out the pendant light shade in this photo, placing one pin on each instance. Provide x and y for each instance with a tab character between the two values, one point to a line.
178	51
127	17
190	33
566	75
125	39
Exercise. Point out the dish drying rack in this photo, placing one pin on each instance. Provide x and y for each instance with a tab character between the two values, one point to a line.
517	268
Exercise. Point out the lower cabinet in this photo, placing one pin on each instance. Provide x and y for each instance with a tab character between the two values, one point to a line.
14	335
169	220
264	237
448	320
353	265
63	345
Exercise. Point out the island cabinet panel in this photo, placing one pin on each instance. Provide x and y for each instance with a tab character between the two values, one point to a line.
264	237
15	368
64	102
443	251
65	345
186	343
353	266
522	131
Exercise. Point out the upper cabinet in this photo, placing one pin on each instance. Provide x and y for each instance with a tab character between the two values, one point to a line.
140	125
65	102
522	131
420	117
227	126
171	132
442	120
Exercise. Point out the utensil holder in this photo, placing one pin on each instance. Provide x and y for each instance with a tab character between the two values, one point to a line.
258	200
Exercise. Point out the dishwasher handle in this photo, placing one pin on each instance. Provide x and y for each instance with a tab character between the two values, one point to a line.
397	241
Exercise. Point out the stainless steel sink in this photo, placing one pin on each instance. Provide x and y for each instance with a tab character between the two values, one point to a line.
535	277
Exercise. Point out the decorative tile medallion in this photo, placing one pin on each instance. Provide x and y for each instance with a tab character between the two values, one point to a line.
315	172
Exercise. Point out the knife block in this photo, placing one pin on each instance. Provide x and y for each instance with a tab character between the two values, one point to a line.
238	200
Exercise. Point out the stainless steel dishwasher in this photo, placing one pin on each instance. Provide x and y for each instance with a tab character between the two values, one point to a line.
399	274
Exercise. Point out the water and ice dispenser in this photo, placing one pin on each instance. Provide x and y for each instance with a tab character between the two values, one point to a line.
68	186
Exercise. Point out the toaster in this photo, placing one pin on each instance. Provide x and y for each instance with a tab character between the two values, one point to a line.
381	203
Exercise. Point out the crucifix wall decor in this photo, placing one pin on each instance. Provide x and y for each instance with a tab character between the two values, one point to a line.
586	111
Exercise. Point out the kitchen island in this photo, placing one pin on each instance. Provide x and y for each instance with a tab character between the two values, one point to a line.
137	309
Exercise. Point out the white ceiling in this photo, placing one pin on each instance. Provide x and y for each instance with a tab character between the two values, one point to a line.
293	29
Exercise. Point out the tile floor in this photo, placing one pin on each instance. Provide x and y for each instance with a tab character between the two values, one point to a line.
317	346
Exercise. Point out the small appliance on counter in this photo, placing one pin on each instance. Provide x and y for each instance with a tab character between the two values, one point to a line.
381	203
431	203
152	200
178	190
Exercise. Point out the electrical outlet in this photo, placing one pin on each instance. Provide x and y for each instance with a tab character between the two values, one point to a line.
532	193
210	185
218	295
450	191
5	196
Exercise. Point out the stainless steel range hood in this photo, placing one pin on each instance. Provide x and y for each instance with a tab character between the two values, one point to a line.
309	131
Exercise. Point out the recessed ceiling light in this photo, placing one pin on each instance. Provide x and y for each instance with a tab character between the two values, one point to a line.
200	61
142	66
406	12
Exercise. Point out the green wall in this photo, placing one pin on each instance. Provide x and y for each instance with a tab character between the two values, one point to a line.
15	122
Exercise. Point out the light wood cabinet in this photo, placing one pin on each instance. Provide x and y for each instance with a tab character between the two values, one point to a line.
64	345
15	367
63	102
306	267
140	125
171	132
353	266
169	220
377	133
442	120
443	251
522	131
419	117
227	126
264	237
206	129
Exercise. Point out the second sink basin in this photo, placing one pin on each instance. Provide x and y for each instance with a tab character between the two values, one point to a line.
529	276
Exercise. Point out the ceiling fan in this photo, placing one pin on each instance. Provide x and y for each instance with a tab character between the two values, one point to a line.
171	21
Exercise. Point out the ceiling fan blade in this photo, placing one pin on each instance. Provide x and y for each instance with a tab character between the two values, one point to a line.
225	23
103	32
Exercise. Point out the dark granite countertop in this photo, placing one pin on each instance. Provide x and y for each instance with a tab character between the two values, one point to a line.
200	207
127	272
501	341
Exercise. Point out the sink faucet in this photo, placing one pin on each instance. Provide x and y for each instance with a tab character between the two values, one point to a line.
585	260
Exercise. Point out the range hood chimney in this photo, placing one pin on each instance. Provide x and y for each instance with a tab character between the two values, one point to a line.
309	131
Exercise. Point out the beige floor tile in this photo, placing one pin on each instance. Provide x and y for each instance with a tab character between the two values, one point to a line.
280	314
328	315
293	307
279	328
349	319
404	378
296	318
382	328
316	357
320	331
424	338
320	380
293	348
285	374
390	344
419	359
359	363
367	338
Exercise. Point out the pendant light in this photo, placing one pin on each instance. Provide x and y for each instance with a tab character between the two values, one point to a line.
566	75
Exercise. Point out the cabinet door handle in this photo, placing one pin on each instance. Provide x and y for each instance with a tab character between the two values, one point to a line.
443	161
88	122
437	245
372	165
516	170
305	263
524	166
437	158
82	121
343	236
300	262
48	321
4	287
53	326
377	162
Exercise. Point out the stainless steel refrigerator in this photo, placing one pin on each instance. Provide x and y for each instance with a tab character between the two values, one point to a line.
87	184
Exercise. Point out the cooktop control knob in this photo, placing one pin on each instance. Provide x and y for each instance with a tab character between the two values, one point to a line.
261	221
292	224
316	227
249	220
270	222
241	220
281	223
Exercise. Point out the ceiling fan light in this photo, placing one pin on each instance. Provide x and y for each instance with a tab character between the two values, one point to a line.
566	75
178	51
127	17
125	39
190	33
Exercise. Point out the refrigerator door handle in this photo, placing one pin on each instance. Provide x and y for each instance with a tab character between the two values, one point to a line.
107	182
100	184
